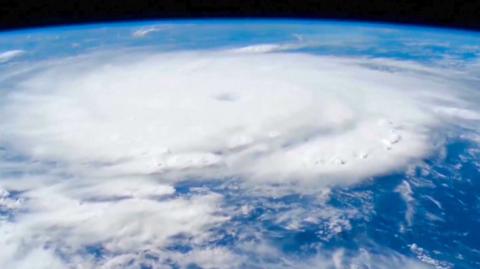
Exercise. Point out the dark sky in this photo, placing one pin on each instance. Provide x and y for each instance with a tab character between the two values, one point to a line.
29	13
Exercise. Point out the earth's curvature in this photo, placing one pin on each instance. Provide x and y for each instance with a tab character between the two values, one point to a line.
240	144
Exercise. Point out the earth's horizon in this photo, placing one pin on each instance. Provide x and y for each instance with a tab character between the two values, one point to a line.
240	144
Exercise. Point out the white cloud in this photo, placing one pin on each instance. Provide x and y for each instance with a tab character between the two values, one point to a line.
287	116
10	54
422	256
458	113
266	48
144	31
104	138
7	203
334	259
67	217
405	191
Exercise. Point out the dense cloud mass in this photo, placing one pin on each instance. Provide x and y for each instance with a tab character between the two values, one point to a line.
102	140
261	117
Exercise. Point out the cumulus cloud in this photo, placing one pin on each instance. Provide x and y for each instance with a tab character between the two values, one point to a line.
405	191
121	218
102	141
336	259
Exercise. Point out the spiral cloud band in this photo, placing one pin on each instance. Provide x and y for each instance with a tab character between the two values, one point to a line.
105	138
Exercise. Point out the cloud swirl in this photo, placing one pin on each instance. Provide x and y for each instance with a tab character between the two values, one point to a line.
107	138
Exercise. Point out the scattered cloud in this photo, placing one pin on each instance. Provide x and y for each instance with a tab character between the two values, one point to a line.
120	218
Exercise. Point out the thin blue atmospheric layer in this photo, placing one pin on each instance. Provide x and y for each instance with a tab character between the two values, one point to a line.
320	37
429	213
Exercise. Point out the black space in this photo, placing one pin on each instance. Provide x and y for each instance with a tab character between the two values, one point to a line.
33	13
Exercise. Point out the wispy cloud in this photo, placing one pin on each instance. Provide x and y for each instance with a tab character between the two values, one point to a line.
142	32
10	54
